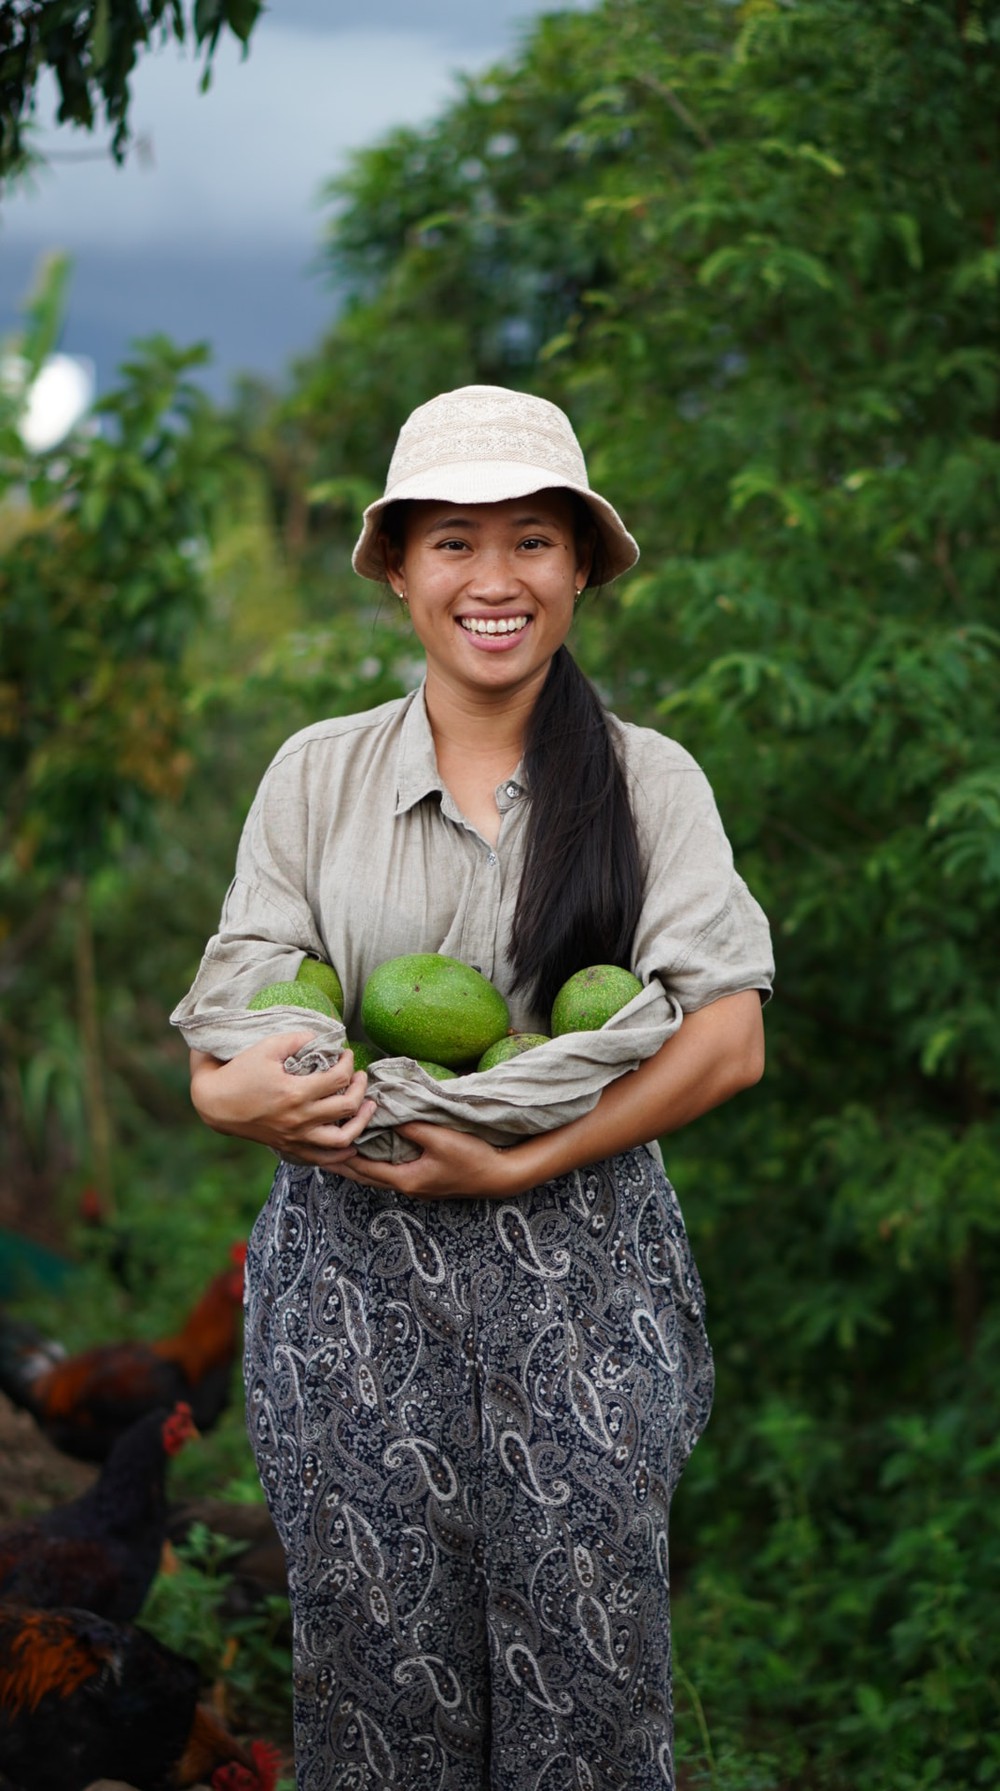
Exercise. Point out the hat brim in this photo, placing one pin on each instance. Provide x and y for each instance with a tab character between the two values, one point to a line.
491	482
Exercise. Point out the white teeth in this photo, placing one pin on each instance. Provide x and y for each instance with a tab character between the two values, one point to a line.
504	625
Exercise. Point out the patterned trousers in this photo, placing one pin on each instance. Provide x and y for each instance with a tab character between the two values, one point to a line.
469	1418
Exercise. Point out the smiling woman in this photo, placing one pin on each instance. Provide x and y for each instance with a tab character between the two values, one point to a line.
473	1377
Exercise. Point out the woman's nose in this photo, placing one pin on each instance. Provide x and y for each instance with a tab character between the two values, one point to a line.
494	574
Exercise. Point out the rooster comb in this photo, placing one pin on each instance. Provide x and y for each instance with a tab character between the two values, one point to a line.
267	1760
266	1767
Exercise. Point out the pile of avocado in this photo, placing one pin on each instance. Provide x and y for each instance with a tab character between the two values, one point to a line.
445	1015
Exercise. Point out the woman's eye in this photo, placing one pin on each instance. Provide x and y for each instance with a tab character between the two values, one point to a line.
533	541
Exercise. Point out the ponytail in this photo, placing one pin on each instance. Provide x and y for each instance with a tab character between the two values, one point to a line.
581	887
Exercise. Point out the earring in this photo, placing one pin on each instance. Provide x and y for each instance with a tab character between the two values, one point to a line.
576	596
403	604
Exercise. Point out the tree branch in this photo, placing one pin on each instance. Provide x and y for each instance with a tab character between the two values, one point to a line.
677	106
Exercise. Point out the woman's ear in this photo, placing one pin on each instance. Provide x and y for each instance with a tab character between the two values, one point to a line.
392	555
584	560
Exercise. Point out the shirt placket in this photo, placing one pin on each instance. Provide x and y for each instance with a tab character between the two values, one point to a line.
484	923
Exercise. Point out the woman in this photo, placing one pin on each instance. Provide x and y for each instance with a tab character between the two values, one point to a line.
473	1377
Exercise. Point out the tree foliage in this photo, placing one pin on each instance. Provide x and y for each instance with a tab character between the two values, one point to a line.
102	547
91	48
102	550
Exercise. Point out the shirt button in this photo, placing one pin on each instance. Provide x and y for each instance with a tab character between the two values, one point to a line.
492	858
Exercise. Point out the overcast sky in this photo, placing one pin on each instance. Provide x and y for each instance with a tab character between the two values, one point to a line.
211	229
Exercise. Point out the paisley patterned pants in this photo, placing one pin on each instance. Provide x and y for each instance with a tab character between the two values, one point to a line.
469	1418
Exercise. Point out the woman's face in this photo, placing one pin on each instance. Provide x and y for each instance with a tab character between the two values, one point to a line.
490	587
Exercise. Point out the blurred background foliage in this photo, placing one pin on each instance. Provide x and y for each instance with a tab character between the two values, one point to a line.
753	250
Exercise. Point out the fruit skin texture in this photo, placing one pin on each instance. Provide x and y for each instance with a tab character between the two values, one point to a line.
293	995
511	1046
364	1055
433	1008
322	976
437	1070
591	996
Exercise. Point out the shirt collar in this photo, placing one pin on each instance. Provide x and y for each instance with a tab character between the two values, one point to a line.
417	773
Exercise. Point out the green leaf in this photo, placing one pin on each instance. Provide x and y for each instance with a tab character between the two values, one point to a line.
906	228
209	16
242	16
100	34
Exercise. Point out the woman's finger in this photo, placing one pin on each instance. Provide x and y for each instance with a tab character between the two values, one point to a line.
354	1088
332	1109
338	1135
363	1169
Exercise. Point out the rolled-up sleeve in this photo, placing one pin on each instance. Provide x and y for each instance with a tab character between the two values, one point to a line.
267	925
700	930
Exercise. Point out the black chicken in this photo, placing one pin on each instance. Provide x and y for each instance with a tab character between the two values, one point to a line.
101	1550
84	1699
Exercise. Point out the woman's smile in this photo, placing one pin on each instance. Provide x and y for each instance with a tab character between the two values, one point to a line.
494	624
494	633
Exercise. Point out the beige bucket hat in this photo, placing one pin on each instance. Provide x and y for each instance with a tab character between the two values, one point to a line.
479	445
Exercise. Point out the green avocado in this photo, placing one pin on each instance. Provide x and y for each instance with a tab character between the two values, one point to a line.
293	995
322	976
433	1008
437	1070
590	998
364	1055
511	1046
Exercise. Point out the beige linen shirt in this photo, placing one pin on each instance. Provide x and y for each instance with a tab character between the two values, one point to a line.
354	851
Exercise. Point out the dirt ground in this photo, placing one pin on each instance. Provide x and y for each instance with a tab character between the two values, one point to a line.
33	1475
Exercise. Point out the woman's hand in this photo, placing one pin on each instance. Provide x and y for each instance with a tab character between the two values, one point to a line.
451	1166
306	1119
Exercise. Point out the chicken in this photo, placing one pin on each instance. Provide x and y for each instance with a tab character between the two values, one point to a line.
82	1699
101	1550
84	1402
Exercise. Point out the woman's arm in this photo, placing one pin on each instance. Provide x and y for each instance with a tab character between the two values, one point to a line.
717	1051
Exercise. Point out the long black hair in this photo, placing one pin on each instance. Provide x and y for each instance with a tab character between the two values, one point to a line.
581	887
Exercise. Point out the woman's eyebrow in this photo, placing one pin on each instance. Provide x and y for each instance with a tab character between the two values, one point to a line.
468	522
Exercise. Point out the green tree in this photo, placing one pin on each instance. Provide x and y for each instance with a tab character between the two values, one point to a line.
91	48
102	550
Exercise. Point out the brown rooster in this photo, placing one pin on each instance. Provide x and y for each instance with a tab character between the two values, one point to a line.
101	1550
84	1402
84	1699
